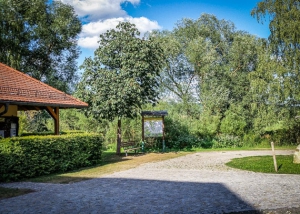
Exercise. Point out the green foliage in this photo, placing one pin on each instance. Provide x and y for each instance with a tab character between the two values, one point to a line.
38	37
252	140
34	121
51	133
284	16
208	124
226	141
75	119
131	130
234	122
26	157
276	81
123	74
245	85
178	77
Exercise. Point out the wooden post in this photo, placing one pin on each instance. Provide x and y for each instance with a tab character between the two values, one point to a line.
119	137
274	156
143	131
163	130
54	113
163	127
56	121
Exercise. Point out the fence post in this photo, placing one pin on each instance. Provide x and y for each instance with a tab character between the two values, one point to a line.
274	156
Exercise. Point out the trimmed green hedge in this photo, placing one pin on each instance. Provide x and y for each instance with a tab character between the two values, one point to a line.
25	134
26	157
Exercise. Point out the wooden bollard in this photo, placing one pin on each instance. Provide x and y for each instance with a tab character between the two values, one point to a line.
274	156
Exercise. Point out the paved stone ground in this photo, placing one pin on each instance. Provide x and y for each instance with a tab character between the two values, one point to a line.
197	183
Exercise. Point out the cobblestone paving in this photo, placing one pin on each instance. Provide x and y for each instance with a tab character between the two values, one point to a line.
197	183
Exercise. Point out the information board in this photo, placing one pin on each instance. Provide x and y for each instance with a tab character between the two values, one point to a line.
153	127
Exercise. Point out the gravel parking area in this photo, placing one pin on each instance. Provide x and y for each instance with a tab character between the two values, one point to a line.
196	183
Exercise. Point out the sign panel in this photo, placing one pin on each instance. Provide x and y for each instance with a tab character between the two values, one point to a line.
153	127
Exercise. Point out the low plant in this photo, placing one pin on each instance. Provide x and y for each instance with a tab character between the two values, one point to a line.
26	157
226	141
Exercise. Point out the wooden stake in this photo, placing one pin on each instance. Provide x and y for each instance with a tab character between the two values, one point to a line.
274	156
143	132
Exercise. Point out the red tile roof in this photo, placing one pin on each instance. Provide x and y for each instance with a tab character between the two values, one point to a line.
21	89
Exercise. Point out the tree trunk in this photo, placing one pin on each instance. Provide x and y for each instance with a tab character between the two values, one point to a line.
119	137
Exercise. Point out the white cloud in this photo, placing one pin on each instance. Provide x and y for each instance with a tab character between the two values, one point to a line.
94	10
103	15
91	31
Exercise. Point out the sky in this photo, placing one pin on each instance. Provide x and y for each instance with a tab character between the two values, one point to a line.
98	16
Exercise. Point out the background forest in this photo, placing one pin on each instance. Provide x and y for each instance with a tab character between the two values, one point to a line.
221	87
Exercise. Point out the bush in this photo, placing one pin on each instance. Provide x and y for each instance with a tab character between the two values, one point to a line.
25	134
226	141
206	143
26	157
185	142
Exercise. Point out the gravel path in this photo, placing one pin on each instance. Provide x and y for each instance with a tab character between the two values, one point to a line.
196	183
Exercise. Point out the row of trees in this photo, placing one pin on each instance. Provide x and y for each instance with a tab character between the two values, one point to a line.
228	81
224	82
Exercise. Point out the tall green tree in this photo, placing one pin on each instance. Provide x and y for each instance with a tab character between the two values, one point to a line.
284	41
39	37
178	79
122	76
222	58
280	71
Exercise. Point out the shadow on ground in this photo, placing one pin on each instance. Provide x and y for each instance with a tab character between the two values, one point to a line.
118	195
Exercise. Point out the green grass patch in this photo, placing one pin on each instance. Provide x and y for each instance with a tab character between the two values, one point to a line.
265	164
12	192
259	147
110	163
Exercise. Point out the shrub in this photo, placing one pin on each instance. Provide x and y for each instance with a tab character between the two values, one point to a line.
24	134
206	143
25	157
186	142
226	141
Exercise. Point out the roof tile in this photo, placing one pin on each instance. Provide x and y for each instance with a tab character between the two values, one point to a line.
18	87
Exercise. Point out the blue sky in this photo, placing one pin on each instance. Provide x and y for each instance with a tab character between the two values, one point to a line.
100	15
168	12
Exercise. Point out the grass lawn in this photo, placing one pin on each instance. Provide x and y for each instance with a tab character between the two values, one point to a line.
12	192
265	164
110	163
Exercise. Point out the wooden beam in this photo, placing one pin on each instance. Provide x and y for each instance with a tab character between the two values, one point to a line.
36	108
28	108
54	113
56	125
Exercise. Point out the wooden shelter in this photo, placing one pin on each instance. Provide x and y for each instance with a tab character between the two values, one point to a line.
20	92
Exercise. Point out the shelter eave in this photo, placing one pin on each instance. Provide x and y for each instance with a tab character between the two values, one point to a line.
37	104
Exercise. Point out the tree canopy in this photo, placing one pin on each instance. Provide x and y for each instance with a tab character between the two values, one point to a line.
284	42
222	87
39	38
122	76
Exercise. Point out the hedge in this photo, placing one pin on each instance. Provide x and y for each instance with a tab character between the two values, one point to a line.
27	157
